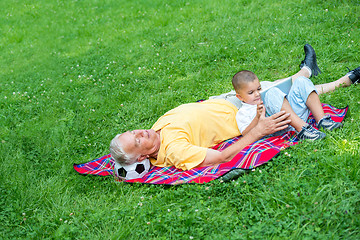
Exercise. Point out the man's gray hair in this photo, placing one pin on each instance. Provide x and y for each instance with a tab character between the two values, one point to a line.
118	153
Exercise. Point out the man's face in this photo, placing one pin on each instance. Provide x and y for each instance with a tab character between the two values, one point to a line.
250	92
140	142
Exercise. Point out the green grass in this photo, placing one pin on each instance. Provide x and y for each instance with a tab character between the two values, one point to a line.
75	73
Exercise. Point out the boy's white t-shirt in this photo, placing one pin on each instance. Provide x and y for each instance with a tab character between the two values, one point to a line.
245	115
247	112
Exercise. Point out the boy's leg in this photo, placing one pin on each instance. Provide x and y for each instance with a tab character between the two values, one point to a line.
300	91
302	73
303	98
275	101
309	61
296	122
308	66
331	86
314	104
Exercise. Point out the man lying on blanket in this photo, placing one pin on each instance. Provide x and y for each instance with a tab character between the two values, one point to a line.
183	136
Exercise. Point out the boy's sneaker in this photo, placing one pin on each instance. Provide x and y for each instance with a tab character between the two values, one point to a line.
354	75
308	132
328	124
310	60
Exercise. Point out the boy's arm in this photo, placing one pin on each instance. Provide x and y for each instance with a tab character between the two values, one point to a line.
254	122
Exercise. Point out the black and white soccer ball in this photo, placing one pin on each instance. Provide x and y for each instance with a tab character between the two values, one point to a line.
128	172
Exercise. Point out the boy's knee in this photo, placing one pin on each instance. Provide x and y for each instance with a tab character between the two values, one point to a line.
302	86
302	81
274	100
274	94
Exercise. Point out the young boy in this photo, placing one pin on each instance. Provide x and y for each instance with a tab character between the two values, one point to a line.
301	100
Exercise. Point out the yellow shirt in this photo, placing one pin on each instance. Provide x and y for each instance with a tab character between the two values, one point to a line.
190	129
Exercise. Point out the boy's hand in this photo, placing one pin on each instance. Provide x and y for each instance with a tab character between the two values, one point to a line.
260	108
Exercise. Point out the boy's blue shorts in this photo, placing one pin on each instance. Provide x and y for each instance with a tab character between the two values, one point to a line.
297	97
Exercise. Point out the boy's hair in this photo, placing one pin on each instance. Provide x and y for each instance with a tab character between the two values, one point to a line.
244	76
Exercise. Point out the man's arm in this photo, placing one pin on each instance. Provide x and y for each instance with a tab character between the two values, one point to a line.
265	126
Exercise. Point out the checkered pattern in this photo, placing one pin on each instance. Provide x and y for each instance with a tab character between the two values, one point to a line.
250	157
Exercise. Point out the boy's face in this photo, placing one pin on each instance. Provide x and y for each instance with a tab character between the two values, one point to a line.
250	92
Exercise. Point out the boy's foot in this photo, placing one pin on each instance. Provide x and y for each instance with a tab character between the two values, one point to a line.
328	124
310	60
354	75
308	132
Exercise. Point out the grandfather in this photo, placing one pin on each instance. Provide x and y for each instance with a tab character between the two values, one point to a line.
183	136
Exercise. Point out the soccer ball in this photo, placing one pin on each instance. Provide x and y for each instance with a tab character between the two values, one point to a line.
136	170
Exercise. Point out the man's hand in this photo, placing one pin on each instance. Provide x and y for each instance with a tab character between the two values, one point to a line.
272	124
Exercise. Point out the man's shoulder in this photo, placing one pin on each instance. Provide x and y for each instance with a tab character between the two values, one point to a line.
220	103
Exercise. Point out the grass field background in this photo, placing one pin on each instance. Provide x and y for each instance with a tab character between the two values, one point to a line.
75	73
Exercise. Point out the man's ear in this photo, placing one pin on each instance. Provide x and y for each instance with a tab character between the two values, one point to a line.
142	158
239	97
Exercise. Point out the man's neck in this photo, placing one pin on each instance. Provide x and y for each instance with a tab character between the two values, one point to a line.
155	154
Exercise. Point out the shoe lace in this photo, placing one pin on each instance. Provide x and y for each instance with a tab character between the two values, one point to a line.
312	130
354	75
355	71
309	130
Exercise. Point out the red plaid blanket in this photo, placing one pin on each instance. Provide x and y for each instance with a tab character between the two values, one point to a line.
250	157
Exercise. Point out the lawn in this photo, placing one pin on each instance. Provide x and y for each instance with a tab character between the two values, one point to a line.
75	73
